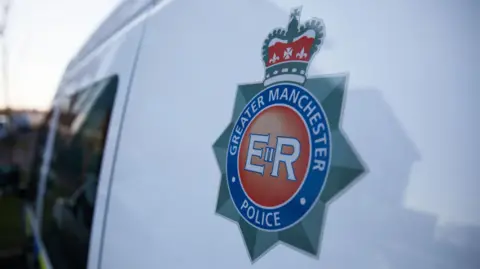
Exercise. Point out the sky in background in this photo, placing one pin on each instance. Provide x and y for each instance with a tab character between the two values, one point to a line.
42	37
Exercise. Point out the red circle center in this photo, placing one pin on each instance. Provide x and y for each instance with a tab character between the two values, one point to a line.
267	190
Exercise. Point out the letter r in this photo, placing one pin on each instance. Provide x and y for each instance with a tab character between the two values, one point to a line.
288	159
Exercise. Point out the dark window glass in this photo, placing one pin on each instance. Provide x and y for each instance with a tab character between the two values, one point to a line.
37	160
72	182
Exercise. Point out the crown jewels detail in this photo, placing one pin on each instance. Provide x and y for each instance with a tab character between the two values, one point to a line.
288	52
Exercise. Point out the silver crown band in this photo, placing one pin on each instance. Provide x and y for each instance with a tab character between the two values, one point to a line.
300	79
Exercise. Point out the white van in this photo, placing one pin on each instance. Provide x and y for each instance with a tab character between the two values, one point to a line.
263	134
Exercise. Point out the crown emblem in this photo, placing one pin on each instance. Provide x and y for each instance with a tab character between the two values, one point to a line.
288	52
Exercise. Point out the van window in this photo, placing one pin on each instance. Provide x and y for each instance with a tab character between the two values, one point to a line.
37	158
69	200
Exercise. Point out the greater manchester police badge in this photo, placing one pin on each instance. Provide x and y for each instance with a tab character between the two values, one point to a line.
284	156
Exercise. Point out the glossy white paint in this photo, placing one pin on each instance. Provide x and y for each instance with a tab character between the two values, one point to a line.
159	180
122	64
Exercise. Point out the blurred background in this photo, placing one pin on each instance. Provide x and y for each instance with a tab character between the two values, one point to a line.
37	39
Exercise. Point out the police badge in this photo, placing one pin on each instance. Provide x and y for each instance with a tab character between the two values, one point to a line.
284	155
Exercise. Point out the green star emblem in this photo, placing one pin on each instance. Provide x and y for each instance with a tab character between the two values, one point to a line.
345	167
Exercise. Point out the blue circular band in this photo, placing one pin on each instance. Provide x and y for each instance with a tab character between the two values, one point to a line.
290	213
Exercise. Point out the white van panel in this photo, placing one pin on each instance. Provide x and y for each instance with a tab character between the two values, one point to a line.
122	15
195	53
